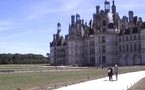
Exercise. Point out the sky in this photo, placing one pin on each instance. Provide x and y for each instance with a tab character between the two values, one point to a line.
27	26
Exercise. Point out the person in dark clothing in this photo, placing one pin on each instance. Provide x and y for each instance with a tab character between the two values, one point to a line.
110	73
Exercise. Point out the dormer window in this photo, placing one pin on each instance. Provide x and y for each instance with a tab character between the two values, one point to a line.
123	32
122	27
130	31
104	29
104	23
138	29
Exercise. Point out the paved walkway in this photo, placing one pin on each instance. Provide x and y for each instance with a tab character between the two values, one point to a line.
124	82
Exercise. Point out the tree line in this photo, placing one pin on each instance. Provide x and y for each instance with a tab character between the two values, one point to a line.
23	59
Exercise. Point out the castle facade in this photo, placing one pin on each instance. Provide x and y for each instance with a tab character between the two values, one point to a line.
106	40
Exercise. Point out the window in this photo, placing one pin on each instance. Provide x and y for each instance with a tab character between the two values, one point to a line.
138	36
90	51
130	31
103	59
127	48
123	48
139	29
135	48
122	27
104	23
119	39
103	49
119	48
83	53
134	37
130	47
99	49
104	29
123	32
93	51
126	38
103	39
99	39
139	46
99	59
130	37
123	39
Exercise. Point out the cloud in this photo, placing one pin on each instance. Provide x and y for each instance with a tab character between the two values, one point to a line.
42	8
132	6
7	25
67	6
127	4
15	35
7	28
47	31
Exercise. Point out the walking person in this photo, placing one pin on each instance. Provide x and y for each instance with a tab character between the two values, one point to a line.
116	72
110	73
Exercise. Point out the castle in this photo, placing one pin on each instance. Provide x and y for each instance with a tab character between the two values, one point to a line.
107	40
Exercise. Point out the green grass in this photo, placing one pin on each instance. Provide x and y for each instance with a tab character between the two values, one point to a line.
51	79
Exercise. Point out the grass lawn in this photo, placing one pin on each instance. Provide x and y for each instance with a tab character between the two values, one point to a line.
30	80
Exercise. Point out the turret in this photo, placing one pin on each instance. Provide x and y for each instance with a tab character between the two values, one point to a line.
131	19
97	9
107	6
82	21
69	30
72	19
58	26
130	13
58	30
114	14
125	20
113	7
77	17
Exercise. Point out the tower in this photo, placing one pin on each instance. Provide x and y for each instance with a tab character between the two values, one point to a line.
130	13
114	14
58	26
58	31
97	9
131	19
113	7
77	17
107	6
72	19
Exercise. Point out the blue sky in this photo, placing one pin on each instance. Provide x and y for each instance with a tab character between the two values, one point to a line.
27	26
